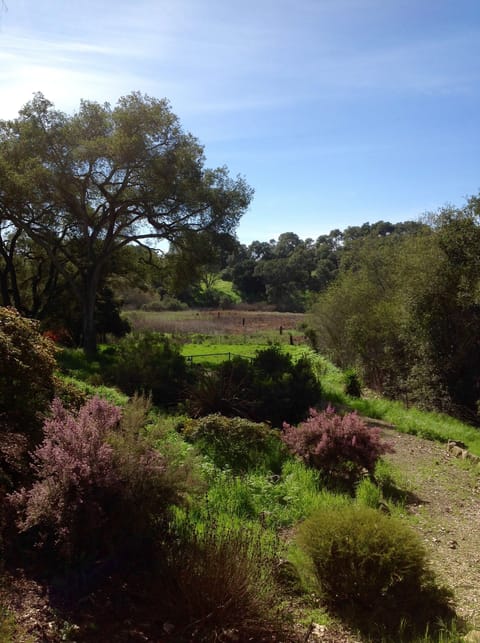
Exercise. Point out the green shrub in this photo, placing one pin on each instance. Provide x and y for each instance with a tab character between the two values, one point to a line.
236	443
372	568
149	363
71	392
217	578
224	389
352	384
311	337
285	389
27	364
269	388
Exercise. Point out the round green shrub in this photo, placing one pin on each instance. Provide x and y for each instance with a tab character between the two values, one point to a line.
372	565
269	388
235	443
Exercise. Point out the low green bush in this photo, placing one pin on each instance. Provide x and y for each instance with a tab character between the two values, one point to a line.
236	443
74	393
372	569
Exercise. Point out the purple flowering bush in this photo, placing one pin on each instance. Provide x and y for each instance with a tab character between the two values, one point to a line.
342	447
99	483
75	477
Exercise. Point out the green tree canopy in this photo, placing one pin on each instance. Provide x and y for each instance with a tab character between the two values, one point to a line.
405	310
83	186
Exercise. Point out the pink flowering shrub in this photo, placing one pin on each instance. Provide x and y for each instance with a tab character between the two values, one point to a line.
75	476
99	484
342	447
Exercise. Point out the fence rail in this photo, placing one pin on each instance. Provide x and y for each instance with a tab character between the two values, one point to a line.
190	358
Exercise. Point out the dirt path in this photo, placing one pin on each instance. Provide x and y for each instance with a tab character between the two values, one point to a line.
447	514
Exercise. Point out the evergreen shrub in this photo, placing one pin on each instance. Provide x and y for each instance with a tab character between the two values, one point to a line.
352	384
285	389
372	568
236	443
27	364
270	388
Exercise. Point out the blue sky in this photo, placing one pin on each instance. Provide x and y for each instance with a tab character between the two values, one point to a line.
337	112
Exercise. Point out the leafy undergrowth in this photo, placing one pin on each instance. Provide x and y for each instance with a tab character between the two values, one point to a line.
223	562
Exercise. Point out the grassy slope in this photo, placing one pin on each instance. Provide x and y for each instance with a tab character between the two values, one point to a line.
426	424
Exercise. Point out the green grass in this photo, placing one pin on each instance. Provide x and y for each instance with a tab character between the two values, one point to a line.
213	352
10	631
275	502
425	424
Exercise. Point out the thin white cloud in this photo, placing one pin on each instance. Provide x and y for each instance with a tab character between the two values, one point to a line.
210	58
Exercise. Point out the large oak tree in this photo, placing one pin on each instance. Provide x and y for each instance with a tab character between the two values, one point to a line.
83	186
